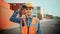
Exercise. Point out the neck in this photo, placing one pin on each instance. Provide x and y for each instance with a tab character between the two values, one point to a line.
28	16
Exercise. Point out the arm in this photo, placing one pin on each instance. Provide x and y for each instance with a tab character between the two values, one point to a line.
38	27
39	30
13	18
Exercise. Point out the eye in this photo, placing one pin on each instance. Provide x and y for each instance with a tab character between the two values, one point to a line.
29	9
26	9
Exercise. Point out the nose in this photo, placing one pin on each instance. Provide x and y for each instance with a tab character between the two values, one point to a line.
29	10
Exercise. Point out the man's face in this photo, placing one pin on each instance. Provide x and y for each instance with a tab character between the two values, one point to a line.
28	11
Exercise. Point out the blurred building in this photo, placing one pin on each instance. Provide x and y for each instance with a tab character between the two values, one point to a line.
15	6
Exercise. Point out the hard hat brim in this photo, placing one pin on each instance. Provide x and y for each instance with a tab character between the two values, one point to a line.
29	7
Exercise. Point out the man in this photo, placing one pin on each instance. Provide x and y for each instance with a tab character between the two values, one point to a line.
29	23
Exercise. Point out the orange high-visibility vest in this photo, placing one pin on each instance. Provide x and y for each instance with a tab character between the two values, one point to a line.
32	28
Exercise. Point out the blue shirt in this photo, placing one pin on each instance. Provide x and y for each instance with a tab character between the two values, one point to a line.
17	20
28	21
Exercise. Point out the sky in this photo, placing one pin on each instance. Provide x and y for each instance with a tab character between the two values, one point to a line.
47	6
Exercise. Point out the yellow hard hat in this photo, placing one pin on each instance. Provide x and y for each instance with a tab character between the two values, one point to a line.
29	5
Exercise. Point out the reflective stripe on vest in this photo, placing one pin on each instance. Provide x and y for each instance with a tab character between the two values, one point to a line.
32	28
